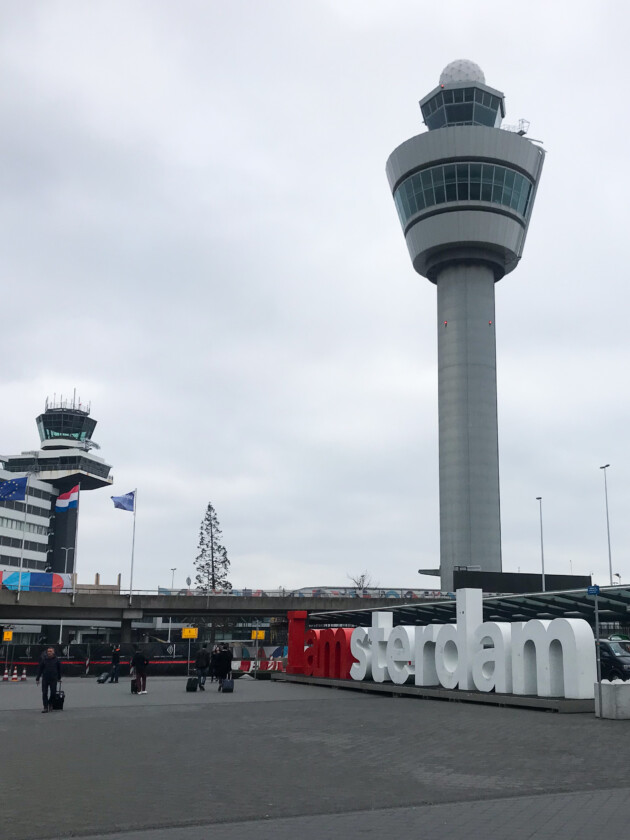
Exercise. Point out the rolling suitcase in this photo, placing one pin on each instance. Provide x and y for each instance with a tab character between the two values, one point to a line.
103	678
227	685
191	684
134	686
58	699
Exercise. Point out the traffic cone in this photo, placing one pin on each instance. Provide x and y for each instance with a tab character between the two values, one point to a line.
14	678
5	677
23	677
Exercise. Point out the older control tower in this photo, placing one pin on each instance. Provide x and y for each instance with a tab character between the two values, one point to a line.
464	192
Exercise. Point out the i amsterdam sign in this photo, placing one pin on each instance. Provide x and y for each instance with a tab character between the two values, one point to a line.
538	657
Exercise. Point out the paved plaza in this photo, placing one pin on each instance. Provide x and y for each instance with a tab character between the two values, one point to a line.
279	760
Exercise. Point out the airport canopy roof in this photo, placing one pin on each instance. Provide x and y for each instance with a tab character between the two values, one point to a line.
614	606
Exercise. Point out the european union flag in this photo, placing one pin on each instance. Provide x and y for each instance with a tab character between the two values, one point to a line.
125	502
13	490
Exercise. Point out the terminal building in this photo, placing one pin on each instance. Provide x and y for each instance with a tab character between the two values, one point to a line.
33	535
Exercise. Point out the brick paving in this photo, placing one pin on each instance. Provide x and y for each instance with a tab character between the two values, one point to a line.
278	760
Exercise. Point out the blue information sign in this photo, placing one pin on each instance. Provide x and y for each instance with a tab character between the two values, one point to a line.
593	590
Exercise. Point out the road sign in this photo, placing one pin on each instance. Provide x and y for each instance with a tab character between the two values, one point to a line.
593	590
7	635
258	634
190	632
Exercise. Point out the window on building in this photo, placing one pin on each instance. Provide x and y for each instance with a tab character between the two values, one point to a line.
462	181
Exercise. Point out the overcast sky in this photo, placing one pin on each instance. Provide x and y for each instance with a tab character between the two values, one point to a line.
197	234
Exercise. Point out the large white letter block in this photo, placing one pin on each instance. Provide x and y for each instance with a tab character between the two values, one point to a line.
554	658
360	649
456	644
399	654
379	634
426	636
492	666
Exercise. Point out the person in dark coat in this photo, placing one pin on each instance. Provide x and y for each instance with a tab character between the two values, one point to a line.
113	677
224	664
202	663
140	663
50	674
214	659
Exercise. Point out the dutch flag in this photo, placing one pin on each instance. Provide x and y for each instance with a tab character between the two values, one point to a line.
66	501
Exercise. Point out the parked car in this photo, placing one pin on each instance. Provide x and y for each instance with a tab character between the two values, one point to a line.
615	659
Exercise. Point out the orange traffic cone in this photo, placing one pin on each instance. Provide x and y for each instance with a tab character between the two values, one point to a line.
14	678
5	677
23	677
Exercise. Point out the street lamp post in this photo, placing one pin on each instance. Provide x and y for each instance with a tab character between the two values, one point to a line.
605	467
542	550
65	565
170	618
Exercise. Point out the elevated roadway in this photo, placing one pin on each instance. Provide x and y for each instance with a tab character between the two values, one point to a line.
120	607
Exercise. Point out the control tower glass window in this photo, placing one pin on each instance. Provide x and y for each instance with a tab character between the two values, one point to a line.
462	181
462	106
65	423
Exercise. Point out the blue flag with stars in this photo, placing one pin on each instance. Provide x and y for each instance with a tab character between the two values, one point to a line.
125	502
13	490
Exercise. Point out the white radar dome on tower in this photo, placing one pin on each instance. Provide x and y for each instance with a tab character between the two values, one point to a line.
462	70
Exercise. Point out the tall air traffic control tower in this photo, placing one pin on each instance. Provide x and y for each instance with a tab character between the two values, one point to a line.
464	191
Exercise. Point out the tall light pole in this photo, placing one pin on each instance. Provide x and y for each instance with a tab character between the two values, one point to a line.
65	565
170	618
542	551
605	467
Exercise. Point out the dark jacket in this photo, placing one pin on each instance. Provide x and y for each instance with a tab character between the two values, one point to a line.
202	660
224	663
214	661
139	662
49	667
116	656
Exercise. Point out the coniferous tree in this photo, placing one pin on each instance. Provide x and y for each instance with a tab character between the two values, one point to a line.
212	562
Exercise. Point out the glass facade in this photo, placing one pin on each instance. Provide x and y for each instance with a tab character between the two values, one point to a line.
8	560
462	182
462	106
65	423
63	462
13	542
16	525
35	510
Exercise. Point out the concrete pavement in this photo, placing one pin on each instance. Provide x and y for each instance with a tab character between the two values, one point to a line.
276	760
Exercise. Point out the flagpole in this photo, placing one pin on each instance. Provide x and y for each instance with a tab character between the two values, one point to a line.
76	542
133	544
23	537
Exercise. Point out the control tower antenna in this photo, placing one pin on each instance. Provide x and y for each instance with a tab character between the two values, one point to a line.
464	192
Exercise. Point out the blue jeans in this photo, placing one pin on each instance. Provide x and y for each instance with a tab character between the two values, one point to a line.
202	673
114	673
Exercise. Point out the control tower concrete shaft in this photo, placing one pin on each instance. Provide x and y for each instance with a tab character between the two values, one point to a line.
464	192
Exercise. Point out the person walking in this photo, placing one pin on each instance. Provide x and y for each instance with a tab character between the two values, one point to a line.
140	663
224	664
50	674
113	676
213	663
202	664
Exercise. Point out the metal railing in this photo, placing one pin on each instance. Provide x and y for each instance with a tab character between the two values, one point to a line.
306	592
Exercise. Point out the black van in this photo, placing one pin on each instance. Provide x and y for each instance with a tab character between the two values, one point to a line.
615	659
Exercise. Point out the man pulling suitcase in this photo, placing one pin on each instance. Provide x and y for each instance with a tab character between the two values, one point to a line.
224	668
50	674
